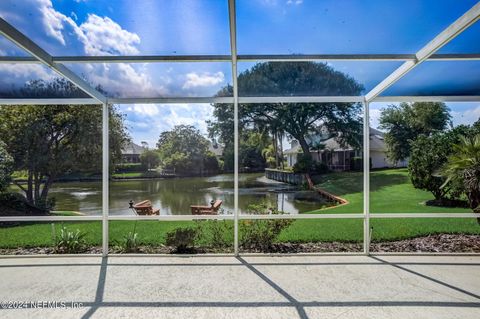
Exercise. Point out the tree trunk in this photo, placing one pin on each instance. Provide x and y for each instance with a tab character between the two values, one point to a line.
275	150
304	146
46	188
29	193
281	151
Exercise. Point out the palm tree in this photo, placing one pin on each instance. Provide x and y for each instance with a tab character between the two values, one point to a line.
464	166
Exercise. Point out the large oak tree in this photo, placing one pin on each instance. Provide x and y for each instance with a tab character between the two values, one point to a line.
49	141
298	120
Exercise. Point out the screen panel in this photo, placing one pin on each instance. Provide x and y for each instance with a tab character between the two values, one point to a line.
439	78
123	27
345	27
150	80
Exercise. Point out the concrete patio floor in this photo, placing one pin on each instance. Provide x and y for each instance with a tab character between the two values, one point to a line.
247	287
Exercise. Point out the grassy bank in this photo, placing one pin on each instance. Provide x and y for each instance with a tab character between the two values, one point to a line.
391	192
318	230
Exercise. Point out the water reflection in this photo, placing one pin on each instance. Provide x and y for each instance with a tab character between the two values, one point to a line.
174	196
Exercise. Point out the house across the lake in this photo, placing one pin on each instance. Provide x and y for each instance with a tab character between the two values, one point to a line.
341	158
131	152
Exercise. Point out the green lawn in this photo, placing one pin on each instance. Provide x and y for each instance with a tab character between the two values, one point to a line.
391	192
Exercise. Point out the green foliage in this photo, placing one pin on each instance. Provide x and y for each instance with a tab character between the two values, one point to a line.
260	235
463	165
6	167
215	233
185	150
406	121
320	168
128	168
296	119
130	242
12	202
303	165
182	239
70	242
428	154
150	159
268	154
49	141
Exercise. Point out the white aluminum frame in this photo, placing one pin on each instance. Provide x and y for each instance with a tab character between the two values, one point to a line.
410	61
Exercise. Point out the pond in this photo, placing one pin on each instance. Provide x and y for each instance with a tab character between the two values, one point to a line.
175	195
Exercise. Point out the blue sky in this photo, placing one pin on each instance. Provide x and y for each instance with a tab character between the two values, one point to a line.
127	27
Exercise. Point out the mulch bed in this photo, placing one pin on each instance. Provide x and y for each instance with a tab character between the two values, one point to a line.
441	243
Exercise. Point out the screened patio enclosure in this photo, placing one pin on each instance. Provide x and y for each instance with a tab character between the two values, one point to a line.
131	53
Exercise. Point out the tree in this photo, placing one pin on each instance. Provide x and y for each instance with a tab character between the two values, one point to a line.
48	141
406	121
150	159
6	167
427	155
185	150
298	120
464	166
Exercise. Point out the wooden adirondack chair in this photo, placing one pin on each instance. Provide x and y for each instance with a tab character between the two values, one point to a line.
207	210
145	208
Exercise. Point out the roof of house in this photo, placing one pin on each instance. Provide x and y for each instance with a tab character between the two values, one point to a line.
216	148
131	148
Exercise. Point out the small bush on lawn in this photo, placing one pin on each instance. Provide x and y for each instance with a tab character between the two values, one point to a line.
215	233
259	235
182	239
70	242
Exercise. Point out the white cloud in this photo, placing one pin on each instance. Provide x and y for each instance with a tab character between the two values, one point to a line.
22	73
104	36
466	117
205	79
145	109
146	122
59	34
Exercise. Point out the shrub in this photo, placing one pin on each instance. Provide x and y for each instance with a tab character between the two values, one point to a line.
320	168
130	242
215	233
259	235
182	239
303	164
128	168
427	155
149	159
70	242
6	167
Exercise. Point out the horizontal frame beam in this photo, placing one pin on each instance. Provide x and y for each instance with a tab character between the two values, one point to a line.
171	100
231	217
59	101
300	99
242	58
270	99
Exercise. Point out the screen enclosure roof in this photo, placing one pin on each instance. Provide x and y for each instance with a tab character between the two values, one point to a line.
195	51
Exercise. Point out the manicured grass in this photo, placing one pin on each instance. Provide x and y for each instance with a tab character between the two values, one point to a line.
311	230
136	175
390	192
